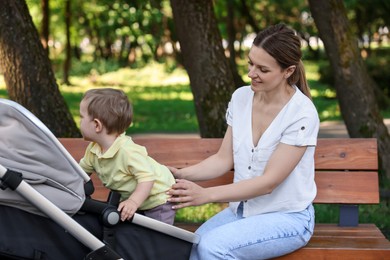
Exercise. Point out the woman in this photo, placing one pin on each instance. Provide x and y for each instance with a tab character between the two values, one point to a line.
270	142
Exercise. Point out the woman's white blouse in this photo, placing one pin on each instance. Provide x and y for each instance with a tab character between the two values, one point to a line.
296	124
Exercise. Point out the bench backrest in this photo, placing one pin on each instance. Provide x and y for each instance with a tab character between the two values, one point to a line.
346	168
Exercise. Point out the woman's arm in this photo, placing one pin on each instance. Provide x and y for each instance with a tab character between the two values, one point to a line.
212	167
281	164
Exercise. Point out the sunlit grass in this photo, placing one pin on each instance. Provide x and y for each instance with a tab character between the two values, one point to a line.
163	102
311	70
199	213
3	91
152	75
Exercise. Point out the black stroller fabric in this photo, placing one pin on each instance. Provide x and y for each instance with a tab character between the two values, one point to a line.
28	236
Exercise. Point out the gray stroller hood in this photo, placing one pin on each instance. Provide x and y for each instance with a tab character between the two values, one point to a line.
27	146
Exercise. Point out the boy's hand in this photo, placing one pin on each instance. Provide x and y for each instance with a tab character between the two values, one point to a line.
127	208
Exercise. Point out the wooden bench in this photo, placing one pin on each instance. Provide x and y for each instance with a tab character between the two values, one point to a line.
346	174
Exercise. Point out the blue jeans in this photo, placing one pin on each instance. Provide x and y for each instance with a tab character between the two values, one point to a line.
227	236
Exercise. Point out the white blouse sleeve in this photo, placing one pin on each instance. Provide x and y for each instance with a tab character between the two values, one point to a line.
302	132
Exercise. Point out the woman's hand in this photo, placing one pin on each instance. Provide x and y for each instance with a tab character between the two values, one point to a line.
187	193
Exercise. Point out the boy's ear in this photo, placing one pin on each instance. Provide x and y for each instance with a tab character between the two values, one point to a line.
98	125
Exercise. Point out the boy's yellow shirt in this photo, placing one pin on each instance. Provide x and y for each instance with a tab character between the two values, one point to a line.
124	165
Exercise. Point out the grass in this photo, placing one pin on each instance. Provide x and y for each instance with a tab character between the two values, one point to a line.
163	103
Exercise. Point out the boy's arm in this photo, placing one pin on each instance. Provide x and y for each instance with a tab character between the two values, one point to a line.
129	207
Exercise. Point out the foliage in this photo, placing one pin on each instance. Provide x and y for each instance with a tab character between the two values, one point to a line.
199	213
378	66
134	32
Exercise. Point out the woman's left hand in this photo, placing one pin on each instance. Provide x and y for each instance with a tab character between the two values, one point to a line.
187	193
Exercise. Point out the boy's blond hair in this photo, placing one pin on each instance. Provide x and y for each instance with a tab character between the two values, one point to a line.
111	107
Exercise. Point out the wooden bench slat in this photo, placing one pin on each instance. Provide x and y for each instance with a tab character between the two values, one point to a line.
181	152
346	154
323	230
331	154
347	187
337	254
76	147
332	191
330	241
363	230
345	242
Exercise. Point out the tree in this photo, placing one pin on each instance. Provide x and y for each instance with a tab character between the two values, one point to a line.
27	70
45	24
354	87
68	47
231	32
203	56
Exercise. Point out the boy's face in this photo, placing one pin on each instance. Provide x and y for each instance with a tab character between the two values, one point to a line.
87	124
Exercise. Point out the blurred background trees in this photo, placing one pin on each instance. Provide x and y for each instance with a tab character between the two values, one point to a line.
135	32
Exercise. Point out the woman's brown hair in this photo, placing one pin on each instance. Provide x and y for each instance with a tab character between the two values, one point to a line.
284	45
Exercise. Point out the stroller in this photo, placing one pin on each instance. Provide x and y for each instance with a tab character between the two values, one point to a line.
45	207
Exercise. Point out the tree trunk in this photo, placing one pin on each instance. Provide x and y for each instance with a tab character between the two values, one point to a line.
45	24
68	46
28	74
208	68
246	13
231	32
354	87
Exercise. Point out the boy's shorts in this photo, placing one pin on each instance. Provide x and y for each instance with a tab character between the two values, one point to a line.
163	213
